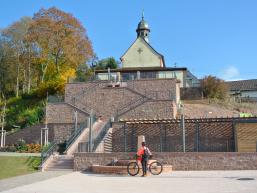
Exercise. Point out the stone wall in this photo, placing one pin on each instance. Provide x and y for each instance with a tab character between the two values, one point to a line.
75	89
159	88
62	132
152	110
30	135
63	113
57	132
179	161
107	101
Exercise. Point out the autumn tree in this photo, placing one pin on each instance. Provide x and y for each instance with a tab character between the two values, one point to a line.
62	42
214	87
46	48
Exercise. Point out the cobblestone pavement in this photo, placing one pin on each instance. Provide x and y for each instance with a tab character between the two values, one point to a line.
176	182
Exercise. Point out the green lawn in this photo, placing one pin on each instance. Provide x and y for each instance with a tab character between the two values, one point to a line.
14	166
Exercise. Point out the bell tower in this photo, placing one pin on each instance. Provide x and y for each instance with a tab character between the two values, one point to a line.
143	29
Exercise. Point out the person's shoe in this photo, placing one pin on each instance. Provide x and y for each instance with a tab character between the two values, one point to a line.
143	175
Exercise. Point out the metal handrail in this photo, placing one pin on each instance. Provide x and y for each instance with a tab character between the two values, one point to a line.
76	134
48	152
100	135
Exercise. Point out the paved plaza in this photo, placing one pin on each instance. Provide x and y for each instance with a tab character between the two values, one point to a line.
176	182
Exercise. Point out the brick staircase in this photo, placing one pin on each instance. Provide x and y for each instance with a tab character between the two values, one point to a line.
60	162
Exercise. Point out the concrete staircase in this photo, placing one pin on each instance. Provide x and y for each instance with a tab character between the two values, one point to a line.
61	163
108	142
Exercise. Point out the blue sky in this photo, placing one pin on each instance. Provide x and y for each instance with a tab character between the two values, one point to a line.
217	37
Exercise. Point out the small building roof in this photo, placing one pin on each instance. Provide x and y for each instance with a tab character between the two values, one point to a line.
246	85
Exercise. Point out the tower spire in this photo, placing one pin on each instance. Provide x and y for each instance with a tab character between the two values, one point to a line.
143	29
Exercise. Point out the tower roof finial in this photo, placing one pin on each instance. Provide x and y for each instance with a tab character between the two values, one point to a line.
143	14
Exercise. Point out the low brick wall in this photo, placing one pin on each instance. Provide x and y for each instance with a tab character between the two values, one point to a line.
179	161
30	135
122	170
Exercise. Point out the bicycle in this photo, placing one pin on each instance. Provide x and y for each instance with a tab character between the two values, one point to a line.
154	167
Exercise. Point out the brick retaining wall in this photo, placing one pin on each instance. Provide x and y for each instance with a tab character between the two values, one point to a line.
57	132
179	161
106	101
30	135
63	113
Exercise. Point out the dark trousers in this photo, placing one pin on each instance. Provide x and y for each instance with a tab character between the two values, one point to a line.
144	166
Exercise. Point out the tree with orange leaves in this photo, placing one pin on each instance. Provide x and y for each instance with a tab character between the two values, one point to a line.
62	42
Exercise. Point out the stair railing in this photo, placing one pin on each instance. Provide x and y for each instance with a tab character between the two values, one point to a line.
99	136
48	151
76	133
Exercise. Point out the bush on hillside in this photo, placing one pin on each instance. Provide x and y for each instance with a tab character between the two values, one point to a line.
51	87
214	88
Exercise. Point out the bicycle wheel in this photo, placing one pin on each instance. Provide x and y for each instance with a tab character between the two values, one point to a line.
155	168
133	168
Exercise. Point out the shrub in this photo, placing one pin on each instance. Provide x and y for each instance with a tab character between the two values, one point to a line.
33	148
21	146
214	88
51	87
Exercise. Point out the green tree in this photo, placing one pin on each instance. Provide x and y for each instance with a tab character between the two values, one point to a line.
106	63
214	87
14	37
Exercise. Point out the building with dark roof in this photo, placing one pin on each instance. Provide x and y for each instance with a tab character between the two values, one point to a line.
245	90
142	61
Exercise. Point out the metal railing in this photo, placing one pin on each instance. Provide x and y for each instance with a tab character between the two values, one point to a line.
97	137
100	135
46	153
76	133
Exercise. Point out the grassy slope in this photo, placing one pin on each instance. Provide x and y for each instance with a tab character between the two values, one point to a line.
14	166
24	111
240	107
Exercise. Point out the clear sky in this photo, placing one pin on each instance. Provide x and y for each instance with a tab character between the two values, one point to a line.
217	37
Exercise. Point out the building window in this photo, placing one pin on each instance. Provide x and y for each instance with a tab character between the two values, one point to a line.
148	75
129	76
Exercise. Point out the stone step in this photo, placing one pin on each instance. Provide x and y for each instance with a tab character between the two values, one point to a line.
59	169
60	164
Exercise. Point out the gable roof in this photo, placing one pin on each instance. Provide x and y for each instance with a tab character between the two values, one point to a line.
147	45
243	85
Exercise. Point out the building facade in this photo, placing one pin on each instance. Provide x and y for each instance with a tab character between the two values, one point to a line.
142	61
